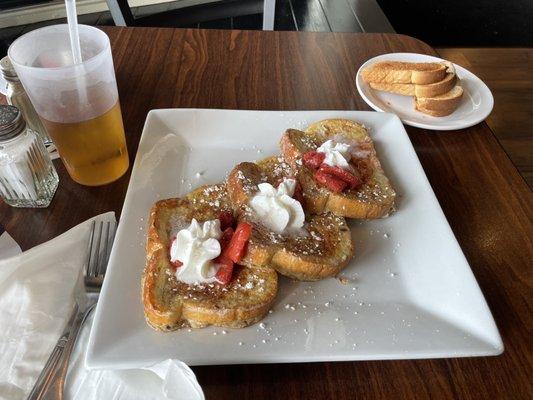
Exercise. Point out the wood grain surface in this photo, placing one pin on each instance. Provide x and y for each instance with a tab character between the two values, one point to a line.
487	203
507	72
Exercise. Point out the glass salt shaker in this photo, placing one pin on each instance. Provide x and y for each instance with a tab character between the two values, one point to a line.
27	176
17	96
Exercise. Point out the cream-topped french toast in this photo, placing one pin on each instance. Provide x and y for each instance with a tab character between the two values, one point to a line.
337	166
297	244
193	276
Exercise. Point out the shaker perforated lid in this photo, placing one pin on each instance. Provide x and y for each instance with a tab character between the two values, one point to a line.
7	69
12	122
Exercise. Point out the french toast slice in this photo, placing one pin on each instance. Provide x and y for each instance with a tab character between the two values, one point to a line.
170	304
405	72
322	250
374	199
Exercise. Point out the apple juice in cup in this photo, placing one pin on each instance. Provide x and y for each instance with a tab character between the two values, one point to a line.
77	103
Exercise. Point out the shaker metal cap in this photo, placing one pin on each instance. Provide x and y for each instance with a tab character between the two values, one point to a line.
8	70
12	122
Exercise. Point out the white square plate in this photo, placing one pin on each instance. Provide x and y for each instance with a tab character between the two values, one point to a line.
408	293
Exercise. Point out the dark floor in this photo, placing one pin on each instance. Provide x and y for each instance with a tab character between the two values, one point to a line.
463	23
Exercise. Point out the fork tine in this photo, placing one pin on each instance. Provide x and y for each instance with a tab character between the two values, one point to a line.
100	244
90	250
109	246
103	260
103	248
97	251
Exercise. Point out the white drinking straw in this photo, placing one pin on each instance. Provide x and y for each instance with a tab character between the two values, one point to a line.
72	20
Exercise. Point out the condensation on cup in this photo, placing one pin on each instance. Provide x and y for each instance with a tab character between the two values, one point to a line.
78	104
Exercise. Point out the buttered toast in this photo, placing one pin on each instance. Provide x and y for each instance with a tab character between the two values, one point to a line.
412	89
405	72
373	196
434	85
319	249
440	106
170	304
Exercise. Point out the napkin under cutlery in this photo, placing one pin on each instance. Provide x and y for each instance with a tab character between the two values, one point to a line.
37	291
8	246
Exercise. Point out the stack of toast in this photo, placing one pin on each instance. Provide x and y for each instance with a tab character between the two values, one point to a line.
434	85
318	244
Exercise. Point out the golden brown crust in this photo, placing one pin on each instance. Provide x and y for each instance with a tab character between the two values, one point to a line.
411	89
442	105
170	304
404	72
375	199
321	251
434	85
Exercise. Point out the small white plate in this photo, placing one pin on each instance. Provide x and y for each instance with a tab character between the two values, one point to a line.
475	106
409	292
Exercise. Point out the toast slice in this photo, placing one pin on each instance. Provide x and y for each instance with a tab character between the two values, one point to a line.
405	72
411	89
320	251
374	199
440	106
170	304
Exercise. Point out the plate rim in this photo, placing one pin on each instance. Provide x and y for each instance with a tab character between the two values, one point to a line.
482	117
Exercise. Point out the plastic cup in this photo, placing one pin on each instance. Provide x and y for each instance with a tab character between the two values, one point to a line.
78	103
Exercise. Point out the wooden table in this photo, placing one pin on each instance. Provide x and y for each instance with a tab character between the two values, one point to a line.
507	72
484	198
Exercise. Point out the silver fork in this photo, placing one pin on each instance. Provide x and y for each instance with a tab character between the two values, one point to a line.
51	381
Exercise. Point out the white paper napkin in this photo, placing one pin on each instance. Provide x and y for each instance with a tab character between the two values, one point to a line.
37	290
8	246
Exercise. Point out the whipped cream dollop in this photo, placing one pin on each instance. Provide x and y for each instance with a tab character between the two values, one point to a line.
337	154
276	208
196	247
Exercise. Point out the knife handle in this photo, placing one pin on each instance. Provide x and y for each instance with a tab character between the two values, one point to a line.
51	381
43	383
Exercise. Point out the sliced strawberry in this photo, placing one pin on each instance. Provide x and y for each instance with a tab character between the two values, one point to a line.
176	264
237	246
313	159
225	264
225	269
353	181
331	182
226	220
226	237
299	194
